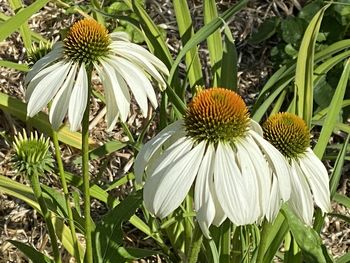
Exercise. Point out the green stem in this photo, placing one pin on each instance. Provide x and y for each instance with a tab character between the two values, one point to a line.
66	195
188	223
263	241
34	180
196	244
225	241
86	176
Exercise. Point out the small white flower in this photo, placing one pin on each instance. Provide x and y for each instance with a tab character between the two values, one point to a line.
219	150
309	178
61	75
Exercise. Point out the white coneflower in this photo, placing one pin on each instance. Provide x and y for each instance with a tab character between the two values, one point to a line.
61	75
309	178
219	148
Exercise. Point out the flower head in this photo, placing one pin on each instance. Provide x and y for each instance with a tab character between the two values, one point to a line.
61	75
309	178
219	150
32	154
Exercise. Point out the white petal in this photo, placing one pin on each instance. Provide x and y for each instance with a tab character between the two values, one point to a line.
46	89
278	163
117	88
55	54
174	182
134	80
203	201
120	46
229	187
60	103
78	100
112	113
318	179
274	202
301	199
120	36
144	64
249	181
262	170
150	147
37	78
256	127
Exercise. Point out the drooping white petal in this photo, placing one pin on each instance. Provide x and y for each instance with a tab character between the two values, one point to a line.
318	179
144	64
60	103
78	100
39	77
249	181
256	127
120	46
116	85
274	201
301	198
51	57
278	163
134	80
262	171
203	200
220	215
46	89
229	187
174	182
120	36
112	112
150	147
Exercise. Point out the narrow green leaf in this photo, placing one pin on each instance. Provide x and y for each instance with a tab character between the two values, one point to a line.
103	150
342	199
204	33
338	167
18	109
185	26
14	65
344	259
345	218
33	254
214	41
108	233
304	68
24	28
12	24
334	108
228	78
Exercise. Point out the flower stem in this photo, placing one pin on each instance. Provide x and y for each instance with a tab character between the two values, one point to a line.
225	241
34	180
66	195
196	245
86	176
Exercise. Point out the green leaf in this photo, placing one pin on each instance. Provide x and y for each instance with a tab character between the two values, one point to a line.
108	233
344	259
307	238
103	150
185	26
342	199
40	121
14	65
214	41
32	254
338	167
204	33
12	24
333	112
266	30
345	218
305	68
228	78
292	29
